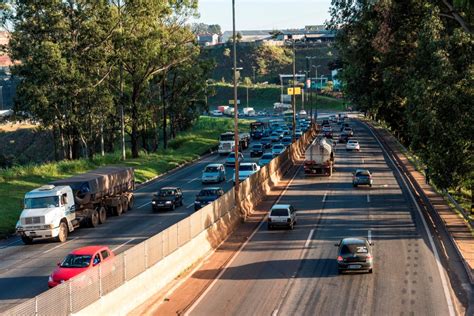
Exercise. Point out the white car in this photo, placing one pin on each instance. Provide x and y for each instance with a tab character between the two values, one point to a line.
352	145
246	169
282	215
216	113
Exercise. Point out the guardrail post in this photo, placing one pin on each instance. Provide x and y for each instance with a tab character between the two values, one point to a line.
146	254
100	280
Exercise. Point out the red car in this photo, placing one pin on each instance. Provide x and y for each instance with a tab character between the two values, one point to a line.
78	261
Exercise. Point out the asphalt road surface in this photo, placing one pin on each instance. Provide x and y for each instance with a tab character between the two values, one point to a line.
284	272
24	269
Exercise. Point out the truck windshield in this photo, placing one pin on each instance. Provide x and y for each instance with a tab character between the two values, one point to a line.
42	202
76	261
226	137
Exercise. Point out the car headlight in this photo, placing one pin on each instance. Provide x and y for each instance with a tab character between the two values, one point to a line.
168	202
153	202
197	202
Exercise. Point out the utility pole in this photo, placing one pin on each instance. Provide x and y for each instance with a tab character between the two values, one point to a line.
236	112
316	89
293	99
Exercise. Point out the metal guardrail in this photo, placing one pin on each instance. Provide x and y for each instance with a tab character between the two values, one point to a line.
77	293
461	209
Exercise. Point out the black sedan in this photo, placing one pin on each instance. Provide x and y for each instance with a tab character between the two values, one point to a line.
167	198
354	254
207	196
257	150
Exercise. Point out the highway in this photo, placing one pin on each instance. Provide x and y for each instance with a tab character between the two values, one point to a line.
24	270
284	272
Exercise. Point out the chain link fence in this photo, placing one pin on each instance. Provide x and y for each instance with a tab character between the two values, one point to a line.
83	290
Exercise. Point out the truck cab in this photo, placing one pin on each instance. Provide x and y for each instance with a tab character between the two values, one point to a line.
48	212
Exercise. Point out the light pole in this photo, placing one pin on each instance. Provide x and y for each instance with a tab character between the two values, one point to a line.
293	99
316	89
309	65
236	112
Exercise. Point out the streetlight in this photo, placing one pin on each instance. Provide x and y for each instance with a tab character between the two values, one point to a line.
309	60
236	112
316	96
293	99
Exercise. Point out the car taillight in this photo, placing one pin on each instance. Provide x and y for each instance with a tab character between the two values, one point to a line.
369	257
339	258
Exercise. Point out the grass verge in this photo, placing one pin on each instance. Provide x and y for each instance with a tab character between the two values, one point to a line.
186	147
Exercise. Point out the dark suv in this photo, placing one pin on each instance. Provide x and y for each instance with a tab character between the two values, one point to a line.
167	198
206	196
354	254
257	150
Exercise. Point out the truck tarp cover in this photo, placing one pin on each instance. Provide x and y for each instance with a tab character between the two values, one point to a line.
101	182
319	151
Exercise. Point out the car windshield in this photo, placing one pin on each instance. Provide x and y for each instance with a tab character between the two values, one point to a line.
226	137
257	146
76	261
363	173
246	168
265	139
352	142
354	248
279	212
287	139
211	169
208	192
166	193
267	156
42	202
278	147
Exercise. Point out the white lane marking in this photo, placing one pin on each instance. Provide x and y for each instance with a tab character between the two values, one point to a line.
368	198
369	236
11	243
275	312
324	197
120	246
143	205
430	238
230	180
208	289
309	238
190	205
60	245
192	180
363	161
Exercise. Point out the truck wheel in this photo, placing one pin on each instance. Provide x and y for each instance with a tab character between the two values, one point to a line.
27	240
130	203
102	215
125	204
63	232
94	220
118	209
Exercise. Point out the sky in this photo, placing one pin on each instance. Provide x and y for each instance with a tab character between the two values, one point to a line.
264	14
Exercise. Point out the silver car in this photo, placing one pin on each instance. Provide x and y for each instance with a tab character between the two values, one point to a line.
213	173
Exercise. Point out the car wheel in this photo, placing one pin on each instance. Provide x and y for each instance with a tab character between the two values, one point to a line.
292	226
118	210
370	270
370	185
339	271
181	203
27	240
269	227
354	185
63	232
130	203
173	206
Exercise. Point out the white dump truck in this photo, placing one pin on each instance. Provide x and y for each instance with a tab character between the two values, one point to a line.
56	209
227	142
319	158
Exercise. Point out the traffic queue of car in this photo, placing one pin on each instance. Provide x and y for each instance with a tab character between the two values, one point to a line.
353	254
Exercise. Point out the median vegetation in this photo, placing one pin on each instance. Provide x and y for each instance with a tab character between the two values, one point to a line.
186	147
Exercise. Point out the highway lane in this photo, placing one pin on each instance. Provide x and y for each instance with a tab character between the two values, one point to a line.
24	269
294	272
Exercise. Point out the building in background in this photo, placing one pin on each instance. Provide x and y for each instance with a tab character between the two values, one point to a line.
207	39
